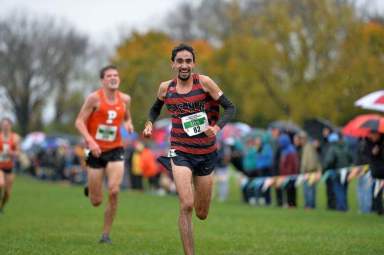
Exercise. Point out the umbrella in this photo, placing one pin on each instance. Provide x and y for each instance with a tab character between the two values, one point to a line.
363	124
314	127
376	125
372	101
285	126
32	139
235	130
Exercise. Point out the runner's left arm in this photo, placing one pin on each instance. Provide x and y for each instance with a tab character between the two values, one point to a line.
217	94
16	152
128	117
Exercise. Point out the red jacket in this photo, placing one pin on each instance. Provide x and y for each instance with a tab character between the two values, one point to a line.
289	164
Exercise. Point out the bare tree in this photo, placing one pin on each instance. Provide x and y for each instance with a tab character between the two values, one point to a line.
35	56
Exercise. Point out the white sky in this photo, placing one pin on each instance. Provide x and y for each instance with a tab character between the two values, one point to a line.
98	18
108	19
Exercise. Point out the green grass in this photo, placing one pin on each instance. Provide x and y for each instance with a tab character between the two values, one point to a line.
52	218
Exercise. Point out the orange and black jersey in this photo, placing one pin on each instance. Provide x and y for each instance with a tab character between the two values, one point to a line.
104	123
6	146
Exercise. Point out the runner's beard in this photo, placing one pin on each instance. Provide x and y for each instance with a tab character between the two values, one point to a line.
184	78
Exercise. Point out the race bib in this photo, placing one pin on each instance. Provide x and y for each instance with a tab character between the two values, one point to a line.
195	124
106	133
4	157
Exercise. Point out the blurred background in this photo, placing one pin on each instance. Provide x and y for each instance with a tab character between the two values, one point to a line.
275	59
287	65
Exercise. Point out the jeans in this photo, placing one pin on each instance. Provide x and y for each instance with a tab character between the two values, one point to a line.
340	190
364	193
309	195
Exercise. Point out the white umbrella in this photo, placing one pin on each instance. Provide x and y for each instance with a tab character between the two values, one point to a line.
34	138
372	101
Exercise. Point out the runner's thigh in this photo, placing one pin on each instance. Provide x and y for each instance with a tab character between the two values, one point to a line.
9	178
2	179
182	176
95	181
203	191
115	173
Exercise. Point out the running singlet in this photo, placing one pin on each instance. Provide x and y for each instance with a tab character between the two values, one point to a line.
191	114
104	123
6	146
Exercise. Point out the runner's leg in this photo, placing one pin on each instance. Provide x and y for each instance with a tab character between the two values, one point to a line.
95	185
203	193
2	186
183	179
8	178
115	173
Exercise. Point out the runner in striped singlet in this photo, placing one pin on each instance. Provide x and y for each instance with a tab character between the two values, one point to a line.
193	101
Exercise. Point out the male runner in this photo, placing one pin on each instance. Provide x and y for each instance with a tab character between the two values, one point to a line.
9	149
193	101
99	121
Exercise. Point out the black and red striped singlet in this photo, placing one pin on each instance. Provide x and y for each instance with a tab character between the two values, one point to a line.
180	105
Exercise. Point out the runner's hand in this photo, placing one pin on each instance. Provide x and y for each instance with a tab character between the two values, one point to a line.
94	148
147	132
129	127
212	131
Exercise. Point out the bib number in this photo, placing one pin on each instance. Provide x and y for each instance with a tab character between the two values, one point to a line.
106	133
4	155
195	124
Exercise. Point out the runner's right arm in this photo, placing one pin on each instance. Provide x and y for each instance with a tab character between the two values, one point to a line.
90	104
155	110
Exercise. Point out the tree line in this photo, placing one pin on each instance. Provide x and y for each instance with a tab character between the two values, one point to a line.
275	59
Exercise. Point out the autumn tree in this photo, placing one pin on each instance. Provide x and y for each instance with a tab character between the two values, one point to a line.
38	57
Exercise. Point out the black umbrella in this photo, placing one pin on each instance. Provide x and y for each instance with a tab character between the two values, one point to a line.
285	126
314	127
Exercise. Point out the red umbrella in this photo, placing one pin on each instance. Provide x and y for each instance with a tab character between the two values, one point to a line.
375	125
362	125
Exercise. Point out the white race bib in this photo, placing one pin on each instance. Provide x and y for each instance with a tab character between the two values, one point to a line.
4	157
195	124
106	133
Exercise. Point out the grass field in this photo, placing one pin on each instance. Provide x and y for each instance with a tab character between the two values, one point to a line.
52	218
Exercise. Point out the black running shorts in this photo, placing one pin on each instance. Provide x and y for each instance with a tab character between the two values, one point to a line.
116	154
7	170
200	165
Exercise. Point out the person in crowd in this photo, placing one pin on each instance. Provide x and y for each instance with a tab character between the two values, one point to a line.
276	152
322	151
309	166
257	163
337	158
364	182
222	170
288	165
374	149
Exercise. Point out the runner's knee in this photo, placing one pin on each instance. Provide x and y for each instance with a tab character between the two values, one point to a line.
96	200
186	205
113	191
201	213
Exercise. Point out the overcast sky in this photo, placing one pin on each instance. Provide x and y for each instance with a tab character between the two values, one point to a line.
101	19
98	18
